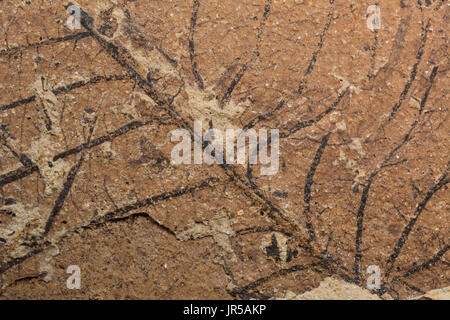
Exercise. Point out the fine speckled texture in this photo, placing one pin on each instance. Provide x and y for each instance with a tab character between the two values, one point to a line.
86	176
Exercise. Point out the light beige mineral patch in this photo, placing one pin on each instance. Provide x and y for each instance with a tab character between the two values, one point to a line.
437	294
333	289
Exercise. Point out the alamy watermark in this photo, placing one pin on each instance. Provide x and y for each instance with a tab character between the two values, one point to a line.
73	22
373	17
374	279
74	281
235	145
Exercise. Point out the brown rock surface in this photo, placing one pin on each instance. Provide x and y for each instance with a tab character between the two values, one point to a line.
85	158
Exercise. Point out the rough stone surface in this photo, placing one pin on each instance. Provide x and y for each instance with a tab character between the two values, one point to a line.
437	294
333	289
86	177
